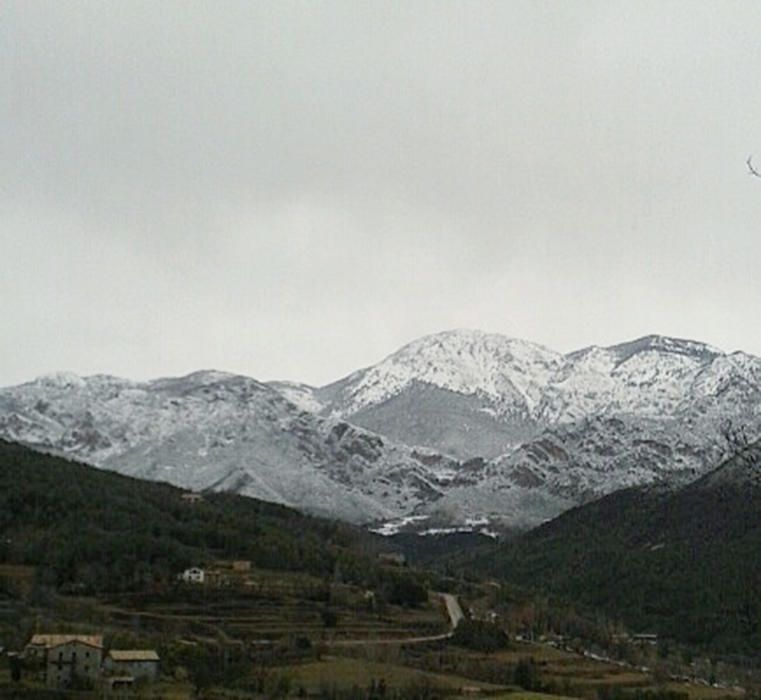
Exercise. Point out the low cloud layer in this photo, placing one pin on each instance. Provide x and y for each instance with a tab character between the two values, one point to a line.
292	190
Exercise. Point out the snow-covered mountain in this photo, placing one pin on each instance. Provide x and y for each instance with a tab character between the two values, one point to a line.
466	392
457	427
469	393
212	430
511	373
554	430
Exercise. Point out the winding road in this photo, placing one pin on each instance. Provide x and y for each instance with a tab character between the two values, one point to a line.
453	609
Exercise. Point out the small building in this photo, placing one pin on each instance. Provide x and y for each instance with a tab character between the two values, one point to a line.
216	578
193	575
137	664
392	558
192	498
67	657
242	566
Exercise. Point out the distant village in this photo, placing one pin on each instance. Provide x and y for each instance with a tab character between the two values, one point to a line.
70	660
66	661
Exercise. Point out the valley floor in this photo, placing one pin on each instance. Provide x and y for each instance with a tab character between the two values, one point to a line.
278	643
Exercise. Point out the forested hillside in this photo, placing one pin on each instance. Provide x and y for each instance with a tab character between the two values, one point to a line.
95	530
684	563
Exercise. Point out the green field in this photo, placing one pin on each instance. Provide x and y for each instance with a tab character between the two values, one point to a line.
346	673
526	695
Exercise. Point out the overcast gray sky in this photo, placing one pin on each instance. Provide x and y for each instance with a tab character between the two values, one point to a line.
295	189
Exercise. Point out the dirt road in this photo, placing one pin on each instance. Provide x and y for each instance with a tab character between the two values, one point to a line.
453	609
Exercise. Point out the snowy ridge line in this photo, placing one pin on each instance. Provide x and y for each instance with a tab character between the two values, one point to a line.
647	376
455	427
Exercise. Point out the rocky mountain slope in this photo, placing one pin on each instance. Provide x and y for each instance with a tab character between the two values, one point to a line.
468	393
212	430
555	430
455	428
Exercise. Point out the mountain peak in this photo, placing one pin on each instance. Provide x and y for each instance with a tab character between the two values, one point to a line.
209	376
664	344
504	372
466	361
465	340
60	380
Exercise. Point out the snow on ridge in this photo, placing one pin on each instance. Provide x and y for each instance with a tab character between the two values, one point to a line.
218	430
201	377
664	344
60	379
646	376
670	343
468	362
301	395
600	419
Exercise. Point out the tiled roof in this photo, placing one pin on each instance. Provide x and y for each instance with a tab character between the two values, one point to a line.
54	640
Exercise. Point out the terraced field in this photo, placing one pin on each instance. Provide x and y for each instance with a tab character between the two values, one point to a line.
291	608
583	676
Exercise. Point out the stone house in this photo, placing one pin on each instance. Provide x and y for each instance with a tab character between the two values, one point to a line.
139	664
67	657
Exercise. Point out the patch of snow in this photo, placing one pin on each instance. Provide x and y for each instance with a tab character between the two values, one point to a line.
300	395
394	527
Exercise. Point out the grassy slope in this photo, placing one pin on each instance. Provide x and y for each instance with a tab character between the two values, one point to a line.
345	673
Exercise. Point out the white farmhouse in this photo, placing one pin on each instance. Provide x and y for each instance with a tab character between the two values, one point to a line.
193	575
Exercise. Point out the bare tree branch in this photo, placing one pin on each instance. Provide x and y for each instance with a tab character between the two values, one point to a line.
751	169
